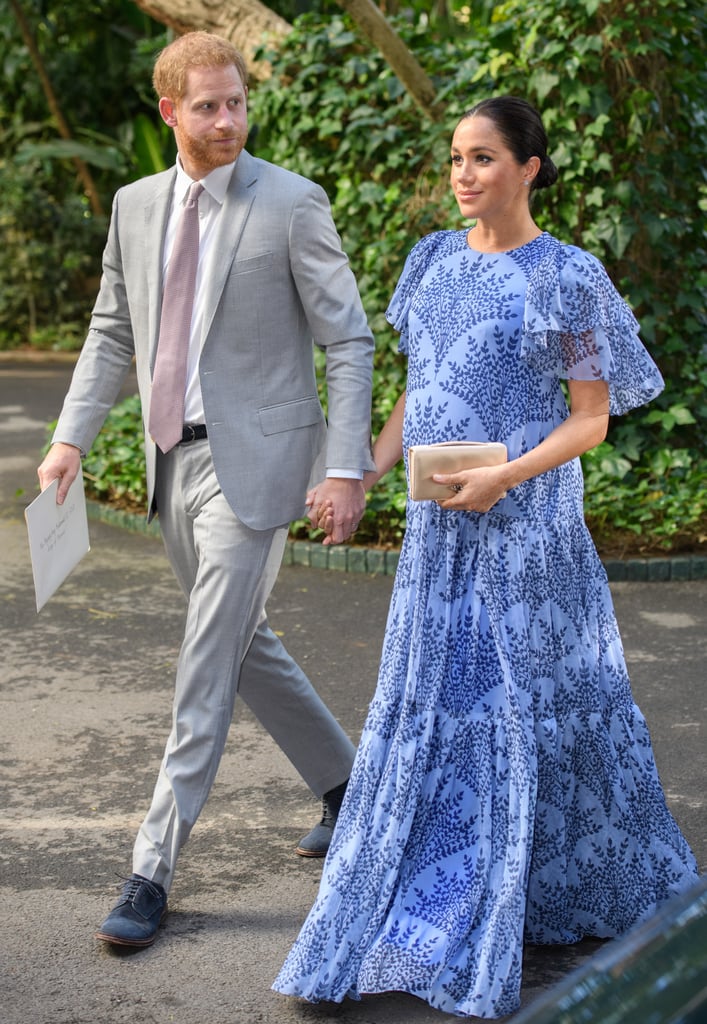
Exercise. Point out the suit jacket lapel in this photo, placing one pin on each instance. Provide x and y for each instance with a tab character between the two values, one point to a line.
236	208
156	215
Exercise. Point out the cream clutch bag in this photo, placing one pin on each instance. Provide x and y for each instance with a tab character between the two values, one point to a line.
448	457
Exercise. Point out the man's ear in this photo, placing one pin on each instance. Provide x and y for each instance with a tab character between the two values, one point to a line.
168	111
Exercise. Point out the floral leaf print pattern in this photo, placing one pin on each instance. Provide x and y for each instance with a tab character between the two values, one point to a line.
504	790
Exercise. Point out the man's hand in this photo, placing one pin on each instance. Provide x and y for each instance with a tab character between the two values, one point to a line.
341	503
62	461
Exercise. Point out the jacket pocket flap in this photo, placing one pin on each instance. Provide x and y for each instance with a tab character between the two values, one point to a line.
290	415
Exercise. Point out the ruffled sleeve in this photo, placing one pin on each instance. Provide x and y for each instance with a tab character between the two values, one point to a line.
416	264
577	326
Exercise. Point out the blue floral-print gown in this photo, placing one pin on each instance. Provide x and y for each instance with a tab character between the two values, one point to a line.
504	787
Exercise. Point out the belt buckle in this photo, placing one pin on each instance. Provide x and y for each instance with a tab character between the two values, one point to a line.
189	427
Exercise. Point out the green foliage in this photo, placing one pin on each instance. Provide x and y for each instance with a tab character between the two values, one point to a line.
658	503
98	57
46	279
621	85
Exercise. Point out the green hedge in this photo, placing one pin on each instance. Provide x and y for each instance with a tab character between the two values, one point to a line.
621	87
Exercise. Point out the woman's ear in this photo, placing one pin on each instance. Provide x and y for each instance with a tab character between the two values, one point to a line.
531	169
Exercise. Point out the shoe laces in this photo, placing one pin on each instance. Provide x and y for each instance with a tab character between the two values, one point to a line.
132	885
328	819
331	805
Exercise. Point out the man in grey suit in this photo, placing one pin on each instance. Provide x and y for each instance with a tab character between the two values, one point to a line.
270	282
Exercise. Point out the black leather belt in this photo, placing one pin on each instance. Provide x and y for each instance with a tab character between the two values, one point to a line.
193	432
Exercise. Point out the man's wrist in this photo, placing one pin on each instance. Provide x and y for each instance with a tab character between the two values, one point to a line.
70	444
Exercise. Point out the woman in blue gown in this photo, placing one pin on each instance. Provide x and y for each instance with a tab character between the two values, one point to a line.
504	789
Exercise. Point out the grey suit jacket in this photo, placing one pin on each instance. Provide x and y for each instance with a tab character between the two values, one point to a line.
282	284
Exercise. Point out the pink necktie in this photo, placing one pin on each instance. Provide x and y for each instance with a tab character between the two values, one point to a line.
169	379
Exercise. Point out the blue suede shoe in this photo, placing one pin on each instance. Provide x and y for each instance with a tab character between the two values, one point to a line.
316	843
135	918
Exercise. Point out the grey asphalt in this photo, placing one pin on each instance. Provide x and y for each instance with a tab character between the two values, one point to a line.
85	692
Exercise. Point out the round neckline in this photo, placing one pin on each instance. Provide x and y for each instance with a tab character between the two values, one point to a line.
498	252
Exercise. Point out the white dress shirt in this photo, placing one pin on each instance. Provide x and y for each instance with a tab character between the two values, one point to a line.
210	202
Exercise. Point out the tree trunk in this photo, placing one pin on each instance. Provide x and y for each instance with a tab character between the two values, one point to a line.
53	104
247	22
378	31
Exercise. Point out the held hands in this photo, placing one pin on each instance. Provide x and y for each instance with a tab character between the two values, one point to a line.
336	506
62	461
325	520
474	490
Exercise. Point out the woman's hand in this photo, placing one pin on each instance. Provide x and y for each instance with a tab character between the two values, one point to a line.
325	517
475	490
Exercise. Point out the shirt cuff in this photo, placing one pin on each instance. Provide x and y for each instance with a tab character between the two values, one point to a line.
346	474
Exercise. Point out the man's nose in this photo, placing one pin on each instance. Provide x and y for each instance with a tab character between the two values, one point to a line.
225	115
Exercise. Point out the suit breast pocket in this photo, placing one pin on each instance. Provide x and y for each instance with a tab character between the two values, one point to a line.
263	261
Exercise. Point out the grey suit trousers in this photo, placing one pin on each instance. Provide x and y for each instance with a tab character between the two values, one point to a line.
227	572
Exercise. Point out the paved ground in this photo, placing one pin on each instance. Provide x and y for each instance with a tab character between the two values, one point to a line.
85	690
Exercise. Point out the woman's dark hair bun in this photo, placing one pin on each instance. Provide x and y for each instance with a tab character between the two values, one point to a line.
547	175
